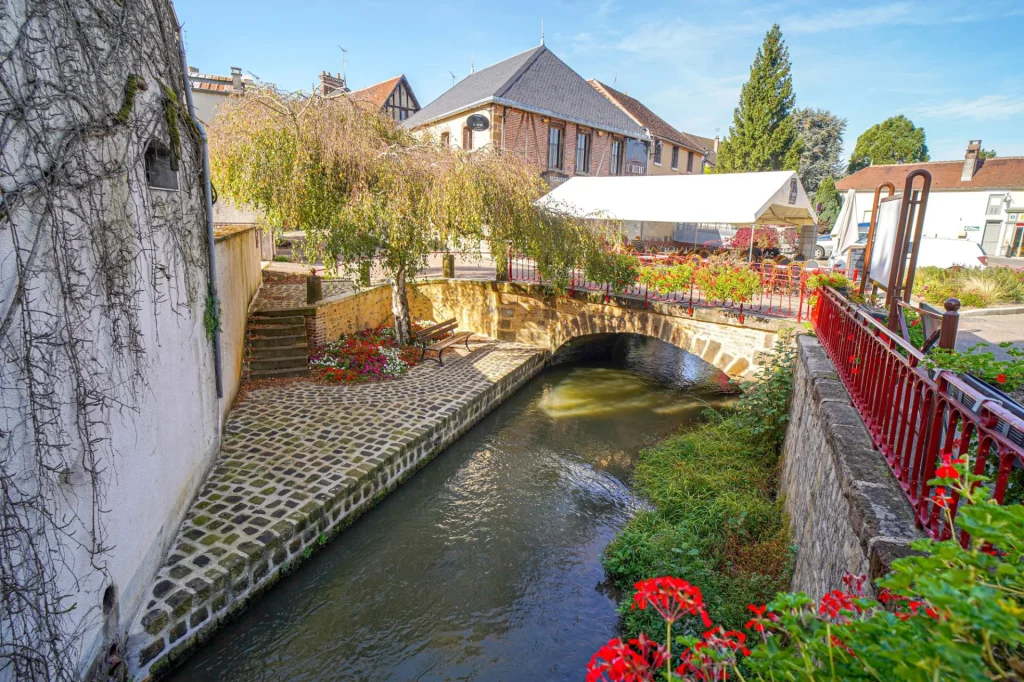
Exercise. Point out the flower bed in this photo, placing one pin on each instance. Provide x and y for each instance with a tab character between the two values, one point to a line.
975	287
368	355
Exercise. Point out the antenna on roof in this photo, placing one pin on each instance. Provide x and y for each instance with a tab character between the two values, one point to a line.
472	68
453	79
344	53
541	31
615	78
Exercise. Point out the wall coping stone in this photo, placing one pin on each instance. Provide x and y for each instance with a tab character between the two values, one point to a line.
879	512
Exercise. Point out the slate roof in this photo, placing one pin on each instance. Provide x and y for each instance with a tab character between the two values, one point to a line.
1000	173
535	80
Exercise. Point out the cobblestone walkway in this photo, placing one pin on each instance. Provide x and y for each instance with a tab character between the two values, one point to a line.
298	462
280	296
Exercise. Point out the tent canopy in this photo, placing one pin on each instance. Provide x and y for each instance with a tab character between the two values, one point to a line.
846	232
737	198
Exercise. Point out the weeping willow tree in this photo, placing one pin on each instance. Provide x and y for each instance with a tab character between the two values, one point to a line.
364	189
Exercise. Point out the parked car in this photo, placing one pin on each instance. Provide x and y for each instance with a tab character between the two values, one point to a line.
941	253
823	249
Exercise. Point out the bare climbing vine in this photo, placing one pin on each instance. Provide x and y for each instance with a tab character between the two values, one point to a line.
89	256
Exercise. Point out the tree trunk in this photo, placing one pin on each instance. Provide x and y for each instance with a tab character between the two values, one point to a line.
400	309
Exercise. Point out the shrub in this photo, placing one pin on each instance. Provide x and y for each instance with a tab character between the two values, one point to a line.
618	270
724	279
715	517
836	280
665	279
1006	374
975	287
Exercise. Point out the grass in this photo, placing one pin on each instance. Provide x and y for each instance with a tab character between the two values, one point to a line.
716	520
975	287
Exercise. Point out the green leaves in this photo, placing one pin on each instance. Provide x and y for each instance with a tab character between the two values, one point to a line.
894	140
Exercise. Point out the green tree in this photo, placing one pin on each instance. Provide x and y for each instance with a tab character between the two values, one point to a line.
894	140
364	189
828	198
821	140
762	136
987	153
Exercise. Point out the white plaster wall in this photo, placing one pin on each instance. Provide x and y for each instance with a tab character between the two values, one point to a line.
238	279
454	126
949	213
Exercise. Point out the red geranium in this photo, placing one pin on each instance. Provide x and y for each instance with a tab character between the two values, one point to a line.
671	598
635	661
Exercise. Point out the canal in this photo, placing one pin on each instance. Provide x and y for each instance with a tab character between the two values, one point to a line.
484	565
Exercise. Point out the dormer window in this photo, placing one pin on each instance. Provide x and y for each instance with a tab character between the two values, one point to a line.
160	166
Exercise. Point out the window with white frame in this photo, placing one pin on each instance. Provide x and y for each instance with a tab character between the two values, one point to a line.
995	204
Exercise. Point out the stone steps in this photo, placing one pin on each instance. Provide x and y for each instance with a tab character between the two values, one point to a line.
276	345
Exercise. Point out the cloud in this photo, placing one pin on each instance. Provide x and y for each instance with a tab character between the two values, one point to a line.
893	14
985	108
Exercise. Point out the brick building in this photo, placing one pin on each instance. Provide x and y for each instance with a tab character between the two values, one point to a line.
535	104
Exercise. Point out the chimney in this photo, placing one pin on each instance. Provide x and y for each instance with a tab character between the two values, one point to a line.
716	144
193	71
971	160
236	78
332	83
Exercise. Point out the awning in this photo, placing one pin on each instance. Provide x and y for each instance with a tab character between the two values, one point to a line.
735	198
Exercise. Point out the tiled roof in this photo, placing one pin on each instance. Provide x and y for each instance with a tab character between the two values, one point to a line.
655	124
378	94
998	173
212	83
535	80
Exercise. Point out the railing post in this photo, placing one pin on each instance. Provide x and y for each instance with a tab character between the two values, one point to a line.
950	322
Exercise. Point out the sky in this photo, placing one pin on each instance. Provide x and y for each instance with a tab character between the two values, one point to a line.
954	68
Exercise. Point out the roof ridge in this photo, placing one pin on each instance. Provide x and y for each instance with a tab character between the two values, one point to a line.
367	87
538	50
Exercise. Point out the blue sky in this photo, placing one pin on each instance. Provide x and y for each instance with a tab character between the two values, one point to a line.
955	68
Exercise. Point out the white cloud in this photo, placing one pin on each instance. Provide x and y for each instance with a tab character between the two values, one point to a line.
985	108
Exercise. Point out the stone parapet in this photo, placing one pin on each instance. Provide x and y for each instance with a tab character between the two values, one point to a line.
847	512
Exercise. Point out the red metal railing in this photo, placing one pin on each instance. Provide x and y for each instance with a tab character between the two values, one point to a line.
783	291
915	419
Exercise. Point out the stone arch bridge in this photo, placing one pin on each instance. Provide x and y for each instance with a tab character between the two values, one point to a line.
528	313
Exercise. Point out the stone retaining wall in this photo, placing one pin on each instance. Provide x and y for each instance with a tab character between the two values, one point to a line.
847	511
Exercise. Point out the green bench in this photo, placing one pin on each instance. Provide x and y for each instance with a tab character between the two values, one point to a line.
436	339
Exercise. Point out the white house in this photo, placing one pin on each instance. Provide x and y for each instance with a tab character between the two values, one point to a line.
980	200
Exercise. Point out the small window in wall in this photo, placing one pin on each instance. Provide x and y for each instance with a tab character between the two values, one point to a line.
689	162
467	138
657	152
675	158
556	142
446	139
583	152
161	169
995	204
792	190
616	162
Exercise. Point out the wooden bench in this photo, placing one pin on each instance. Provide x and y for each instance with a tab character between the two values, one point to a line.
435	338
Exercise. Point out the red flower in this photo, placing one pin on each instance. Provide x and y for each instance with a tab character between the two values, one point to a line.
947	470
941	498
914	323
855	583
671	598
1001	379
834	602
636	661
757	622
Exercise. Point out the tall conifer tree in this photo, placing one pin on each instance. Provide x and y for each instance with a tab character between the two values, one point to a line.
762	136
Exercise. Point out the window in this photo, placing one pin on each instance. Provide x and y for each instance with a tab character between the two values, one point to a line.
792	190
467	138
583	152
657	152
161	167
556	140
995	204
689	162
675	158
446	139
616	165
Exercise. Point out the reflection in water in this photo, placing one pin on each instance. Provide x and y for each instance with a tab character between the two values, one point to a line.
486	564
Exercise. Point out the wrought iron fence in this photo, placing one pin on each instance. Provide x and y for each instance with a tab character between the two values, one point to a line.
916	417
783	291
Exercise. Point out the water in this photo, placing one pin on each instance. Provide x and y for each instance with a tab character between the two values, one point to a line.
485	565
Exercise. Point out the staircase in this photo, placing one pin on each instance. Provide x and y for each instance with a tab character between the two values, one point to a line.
275	345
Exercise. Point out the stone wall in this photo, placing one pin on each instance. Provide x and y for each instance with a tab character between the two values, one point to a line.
237	254
527	313
847	512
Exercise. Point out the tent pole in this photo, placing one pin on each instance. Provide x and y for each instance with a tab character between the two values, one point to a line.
750	254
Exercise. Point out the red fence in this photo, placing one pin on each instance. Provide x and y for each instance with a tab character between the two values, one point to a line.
916	419
783	291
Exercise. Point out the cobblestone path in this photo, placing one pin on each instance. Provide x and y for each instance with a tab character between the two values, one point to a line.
297	463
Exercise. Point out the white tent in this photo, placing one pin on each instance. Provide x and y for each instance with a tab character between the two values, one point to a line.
736	198
845	232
